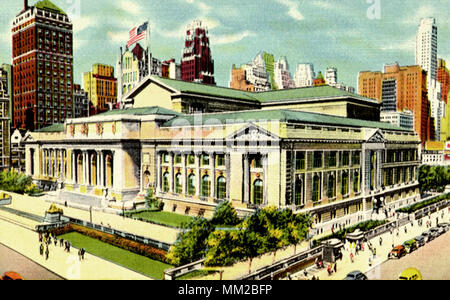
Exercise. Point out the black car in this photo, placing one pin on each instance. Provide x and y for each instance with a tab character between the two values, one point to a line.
428	236
355	275
444	225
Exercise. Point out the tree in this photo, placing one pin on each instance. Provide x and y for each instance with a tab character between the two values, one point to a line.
191	244
223	249
225	214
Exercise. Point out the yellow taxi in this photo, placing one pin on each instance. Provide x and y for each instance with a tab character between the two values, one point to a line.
410	274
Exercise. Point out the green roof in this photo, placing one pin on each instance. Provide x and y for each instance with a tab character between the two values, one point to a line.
282	115
205	89
142	111
48	5
318	92
52	128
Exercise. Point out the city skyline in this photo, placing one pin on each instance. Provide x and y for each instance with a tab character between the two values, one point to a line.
357	36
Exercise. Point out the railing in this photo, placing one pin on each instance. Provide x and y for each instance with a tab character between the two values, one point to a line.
172	274
109	230
268	271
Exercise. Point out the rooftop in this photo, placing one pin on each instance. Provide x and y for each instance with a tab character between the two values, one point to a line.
48	5
282	115
52	128
142	111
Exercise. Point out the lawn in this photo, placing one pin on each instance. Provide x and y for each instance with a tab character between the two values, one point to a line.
141	264
162	217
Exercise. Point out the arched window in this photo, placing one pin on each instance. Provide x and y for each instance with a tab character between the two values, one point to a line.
191	185
298	194
331	190
178	185
316	193
258	192
221	188
206	186
165	184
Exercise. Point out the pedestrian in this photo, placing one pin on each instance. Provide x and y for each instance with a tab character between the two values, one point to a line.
61	242
46	253
351	257
370	261
82	253
40	237
41	249
329	270
381	240
79	254
68	247
55	241
335	267
406	230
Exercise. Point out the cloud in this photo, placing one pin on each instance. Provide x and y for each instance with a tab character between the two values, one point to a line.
117	36
425	11
230	38
323	4
401	45
130	7
294	11
82	23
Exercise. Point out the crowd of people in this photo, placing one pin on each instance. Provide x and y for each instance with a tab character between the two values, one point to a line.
47	238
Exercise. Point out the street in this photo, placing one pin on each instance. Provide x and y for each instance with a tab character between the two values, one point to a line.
27	268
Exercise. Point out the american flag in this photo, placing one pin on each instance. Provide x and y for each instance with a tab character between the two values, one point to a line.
137	34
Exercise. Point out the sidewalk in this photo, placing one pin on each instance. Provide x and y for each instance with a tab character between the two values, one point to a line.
38	206
361	260
67	265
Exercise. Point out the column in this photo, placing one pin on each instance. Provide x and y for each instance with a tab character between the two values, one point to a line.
85	168
198	157
265	162
73	164
55	163
246	178
171	176
227	166
98	183
184	174
102	169
212	166
158	172
43	163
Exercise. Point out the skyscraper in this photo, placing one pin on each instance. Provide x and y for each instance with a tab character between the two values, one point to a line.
402	87
426	47
304	75
331	76
282	76
4	120
101	87
197	64
42	50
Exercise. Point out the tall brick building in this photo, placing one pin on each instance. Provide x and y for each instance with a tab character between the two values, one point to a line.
197	64
401	87
42	50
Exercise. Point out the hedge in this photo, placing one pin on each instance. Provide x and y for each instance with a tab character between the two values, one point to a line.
416	206
126	244
363	226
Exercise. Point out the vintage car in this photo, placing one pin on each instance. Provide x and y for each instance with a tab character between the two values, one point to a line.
410	245
397	252
410	274
355	275
420	239
11	276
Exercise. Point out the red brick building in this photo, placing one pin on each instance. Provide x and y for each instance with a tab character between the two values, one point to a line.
197	64
42	50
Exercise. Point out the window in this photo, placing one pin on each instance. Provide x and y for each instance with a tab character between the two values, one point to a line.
300	161
317	159
177	159
298	193
332	162
316	196
191	159
221	188
205	160
166	182
257	162
345	158
258	193
191	185
165	158
220	158
331	191
356	182
344	183
356	158
206	186
178	186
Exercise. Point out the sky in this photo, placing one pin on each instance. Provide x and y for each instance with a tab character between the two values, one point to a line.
350	35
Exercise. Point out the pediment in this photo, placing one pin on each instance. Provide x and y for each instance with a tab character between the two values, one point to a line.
253	133
375	136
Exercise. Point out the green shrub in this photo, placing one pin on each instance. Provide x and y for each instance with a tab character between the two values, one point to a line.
225	214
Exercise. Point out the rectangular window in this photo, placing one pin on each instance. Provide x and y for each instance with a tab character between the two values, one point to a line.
300	161
220	159
356	158
332	162
317	159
